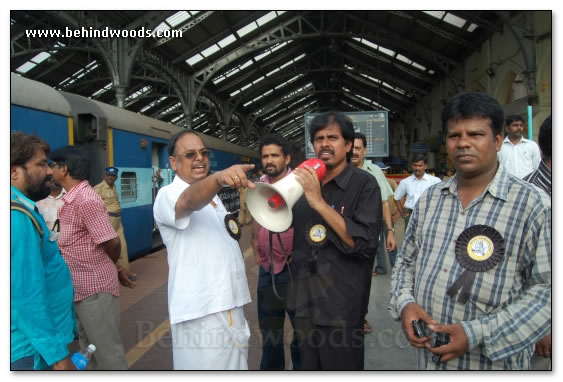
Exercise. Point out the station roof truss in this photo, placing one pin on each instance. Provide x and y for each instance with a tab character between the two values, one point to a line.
239	75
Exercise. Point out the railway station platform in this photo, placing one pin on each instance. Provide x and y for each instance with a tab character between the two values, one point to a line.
145	328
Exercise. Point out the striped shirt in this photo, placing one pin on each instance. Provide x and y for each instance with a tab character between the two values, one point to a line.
509	307
85	226
541	178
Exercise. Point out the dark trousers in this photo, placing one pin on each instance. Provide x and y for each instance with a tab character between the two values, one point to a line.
330	348
271	318
25	363
381	252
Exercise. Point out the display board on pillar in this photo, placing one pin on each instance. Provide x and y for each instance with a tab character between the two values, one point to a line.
373	124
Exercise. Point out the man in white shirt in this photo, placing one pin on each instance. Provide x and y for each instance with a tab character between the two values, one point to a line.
207	284
518	155
49	206
414	186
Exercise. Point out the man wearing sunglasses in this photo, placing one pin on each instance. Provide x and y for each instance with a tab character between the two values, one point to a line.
108	192
207	284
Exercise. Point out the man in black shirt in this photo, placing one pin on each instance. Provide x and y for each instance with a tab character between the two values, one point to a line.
336	229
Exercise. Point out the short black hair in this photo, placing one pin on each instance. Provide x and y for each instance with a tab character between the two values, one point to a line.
545	138
332	117
362	137
513	118
474	105
75	158
23	147
275	139
417	157
173	139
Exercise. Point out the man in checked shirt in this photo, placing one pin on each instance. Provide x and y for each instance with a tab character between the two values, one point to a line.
91	247
494	321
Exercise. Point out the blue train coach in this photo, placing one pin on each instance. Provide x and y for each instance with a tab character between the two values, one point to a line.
134	143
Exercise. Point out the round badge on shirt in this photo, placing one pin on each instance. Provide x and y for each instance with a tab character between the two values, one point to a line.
478	249
233	227
316	235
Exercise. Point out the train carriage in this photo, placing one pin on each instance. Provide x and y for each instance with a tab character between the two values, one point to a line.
136	144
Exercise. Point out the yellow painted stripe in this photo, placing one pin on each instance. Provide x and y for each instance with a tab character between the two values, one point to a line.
146	343
110	147
70	132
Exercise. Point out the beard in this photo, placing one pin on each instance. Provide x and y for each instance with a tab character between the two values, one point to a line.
273	171
37	191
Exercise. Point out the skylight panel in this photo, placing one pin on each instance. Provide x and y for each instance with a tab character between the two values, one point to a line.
400	57
266	18
235	93
245	65
369	43
273	72
232	73
218	80
178	18
41	57
227	41
257	80
102	90
247	29
436	14
194	60
299	57
26	67
177	118
262	55
388	52
280	45
245	87
418	66
472	27
431	72
454	20
209	51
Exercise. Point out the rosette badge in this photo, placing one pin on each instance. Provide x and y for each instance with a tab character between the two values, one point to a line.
478	249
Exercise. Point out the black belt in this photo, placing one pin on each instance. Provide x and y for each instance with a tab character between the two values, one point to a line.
114	214
409	210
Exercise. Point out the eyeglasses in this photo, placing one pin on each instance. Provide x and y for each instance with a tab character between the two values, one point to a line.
192	154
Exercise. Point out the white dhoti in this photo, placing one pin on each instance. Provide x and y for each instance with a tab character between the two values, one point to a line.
218	341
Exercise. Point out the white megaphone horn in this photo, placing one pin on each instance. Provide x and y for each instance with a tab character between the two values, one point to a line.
270	204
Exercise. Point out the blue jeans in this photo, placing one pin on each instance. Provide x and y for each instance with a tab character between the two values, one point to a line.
25	363
271	317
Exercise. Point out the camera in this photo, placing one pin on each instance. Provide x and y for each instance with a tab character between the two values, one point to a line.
419	327
439	339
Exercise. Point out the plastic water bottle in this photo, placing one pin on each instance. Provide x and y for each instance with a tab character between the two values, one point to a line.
81	358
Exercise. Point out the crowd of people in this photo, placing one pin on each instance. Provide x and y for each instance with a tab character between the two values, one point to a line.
470	284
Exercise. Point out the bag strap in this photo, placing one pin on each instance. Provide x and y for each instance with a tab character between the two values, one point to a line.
272	267
20	207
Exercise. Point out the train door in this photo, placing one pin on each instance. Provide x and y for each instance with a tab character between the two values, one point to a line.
91	133
158	150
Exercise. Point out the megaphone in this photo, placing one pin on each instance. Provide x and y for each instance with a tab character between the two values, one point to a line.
270	204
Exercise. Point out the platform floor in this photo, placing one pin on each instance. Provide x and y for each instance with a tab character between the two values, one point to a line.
145	328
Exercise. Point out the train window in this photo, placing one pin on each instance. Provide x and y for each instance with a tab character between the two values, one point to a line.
128	187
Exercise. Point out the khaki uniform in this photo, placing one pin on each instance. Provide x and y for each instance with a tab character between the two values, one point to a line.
391	202
111	199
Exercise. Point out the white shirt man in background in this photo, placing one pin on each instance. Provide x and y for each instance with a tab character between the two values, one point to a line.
518	155
414	186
